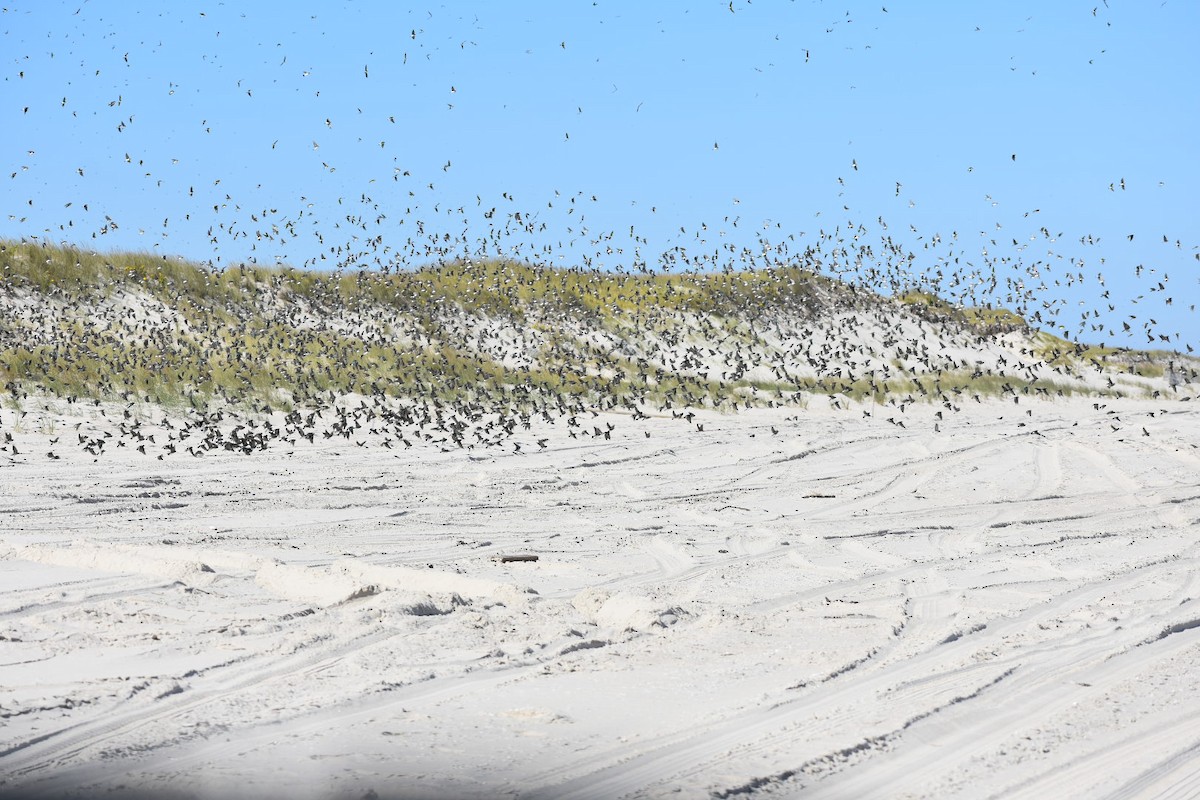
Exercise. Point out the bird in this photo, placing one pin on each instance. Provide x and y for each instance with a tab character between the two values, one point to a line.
458	328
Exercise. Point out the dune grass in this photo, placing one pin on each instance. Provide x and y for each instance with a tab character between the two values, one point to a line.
278	337
984	320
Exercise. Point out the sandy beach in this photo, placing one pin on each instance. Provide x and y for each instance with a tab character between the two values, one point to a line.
774	603
600	401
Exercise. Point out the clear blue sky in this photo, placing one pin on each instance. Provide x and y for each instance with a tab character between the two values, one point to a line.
317	126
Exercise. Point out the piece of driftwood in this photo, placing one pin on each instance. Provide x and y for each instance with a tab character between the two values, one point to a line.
506	559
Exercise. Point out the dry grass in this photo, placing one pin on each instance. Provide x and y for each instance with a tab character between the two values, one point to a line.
104	325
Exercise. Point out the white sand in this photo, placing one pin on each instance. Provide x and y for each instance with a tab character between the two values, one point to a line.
1007	608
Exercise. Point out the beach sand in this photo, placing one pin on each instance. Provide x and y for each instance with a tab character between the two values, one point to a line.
802	602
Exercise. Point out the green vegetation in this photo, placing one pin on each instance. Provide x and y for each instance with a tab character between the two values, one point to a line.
1143	363
983	320
80	324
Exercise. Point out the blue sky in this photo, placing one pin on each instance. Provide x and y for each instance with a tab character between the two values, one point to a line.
351	134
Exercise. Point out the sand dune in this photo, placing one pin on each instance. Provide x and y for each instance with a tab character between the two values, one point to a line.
1007	608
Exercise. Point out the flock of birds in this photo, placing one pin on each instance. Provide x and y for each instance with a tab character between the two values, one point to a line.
494	333
169	358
